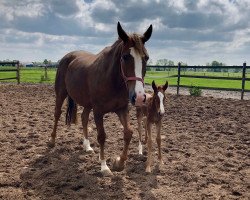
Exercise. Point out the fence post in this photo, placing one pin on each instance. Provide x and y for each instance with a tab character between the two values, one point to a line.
243	80
18	72
46	73
178	78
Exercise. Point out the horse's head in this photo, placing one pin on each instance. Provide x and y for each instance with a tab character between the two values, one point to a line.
159	97
134	58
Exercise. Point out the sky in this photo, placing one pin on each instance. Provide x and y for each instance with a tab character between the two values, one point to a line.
192	31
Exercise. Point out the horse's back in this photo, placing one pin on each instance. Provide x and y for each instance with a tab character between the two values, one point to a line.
64	65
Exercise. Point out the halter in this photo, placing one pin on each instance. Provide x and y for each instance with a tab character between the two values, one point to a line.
130	78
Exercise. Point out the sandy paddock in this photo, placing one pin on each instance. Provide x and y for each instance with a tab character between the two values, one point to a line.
205	143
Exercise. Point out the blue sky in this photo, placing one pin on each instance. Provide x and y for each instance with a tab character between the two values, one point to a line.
192	31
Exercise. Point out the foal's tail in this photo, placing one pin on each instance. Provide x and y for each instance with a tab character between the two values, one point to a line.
71	114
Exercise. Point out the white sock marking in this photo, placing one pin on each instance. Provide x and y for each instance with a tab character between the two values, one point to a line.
140	148
86	145
104	166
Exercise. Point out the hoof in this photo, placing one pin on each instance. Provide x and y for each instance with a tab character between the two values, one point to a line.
51	143
117	166
89	150
107	172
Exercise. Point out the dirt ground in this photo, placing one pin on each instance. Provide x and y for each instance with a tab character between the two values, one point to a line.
205	144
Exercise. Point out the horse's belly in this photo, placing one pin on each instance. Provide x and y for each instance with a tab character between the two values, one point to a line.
77	88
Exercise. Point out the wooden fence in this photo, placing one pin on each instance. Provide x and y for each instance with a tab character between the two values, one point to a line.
179	75
17	70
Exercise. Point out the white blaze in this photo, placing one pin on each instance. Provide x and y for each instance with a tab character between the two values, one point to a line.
139	89
161	97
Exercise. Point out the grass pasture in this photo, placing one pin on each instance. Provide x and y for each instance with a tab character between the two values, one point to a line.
30	75
161	76
34	75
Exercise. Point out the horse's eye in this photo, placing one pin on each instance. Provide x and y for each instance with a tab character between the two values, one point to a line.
126	56
146	58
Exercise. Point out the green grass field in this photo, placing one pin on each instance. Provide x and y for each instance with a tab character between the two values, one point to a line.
162	76
30	75
35	75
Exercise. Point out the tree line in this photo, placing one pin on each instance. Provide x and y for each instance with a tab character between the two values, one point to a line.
167	62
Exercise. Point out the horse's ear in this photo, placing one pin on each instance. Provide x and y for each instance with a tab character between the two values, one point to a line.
165	86
147	34
154	87
122	34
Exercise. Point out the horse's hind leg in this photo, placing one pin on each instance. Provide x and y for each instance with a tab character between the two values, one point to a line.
58	111
85	119
101	137
124	118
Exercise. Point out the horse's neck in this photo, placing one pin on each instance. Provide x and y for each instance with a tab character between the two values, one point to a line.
108	61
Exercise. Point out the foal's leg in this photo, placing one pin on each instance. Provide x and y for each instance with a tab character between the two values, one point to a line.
158	140
85	119
139	121
101	137
149	142
59	102
146	130
124	118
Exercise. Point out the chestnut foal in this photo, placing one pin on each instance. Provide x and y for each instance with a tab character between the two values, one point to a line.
153	111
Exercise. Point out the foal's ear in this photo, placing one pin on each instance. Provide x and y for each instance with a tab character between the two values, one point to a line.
147	34
165	86
154	87
122	34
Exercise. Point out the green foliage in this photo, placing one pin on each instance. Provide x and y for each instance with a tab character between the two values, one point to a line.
195	91
164	62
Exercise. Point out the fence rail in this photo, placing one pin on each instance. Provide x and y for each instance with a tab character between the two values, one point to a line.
17	70
179	75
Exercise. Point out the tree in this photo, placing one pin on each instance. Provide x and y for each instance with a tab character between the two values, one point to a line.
164	62
215	64
45	62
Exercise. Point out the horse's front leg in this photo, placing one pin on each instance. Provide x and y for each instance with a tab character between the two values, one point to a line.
158	140
124	118
149	142
146	130
101	137
139	117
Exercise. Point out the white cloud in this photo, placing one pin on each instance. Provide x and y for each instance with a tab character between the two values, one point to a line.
192	30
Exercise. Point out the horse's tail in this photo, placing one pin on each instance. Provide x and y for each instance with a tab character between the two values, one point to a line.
71	114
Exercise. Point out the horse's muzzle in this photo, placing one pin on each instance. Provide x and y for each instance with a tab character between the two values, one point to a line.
137	100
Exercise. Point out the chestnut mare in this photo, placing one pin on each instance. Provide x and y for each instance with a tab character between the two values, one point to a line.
105	83
153	111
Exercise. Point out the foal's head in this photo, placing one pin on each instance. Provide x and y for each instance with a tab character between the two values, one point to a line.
134	58
159	97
